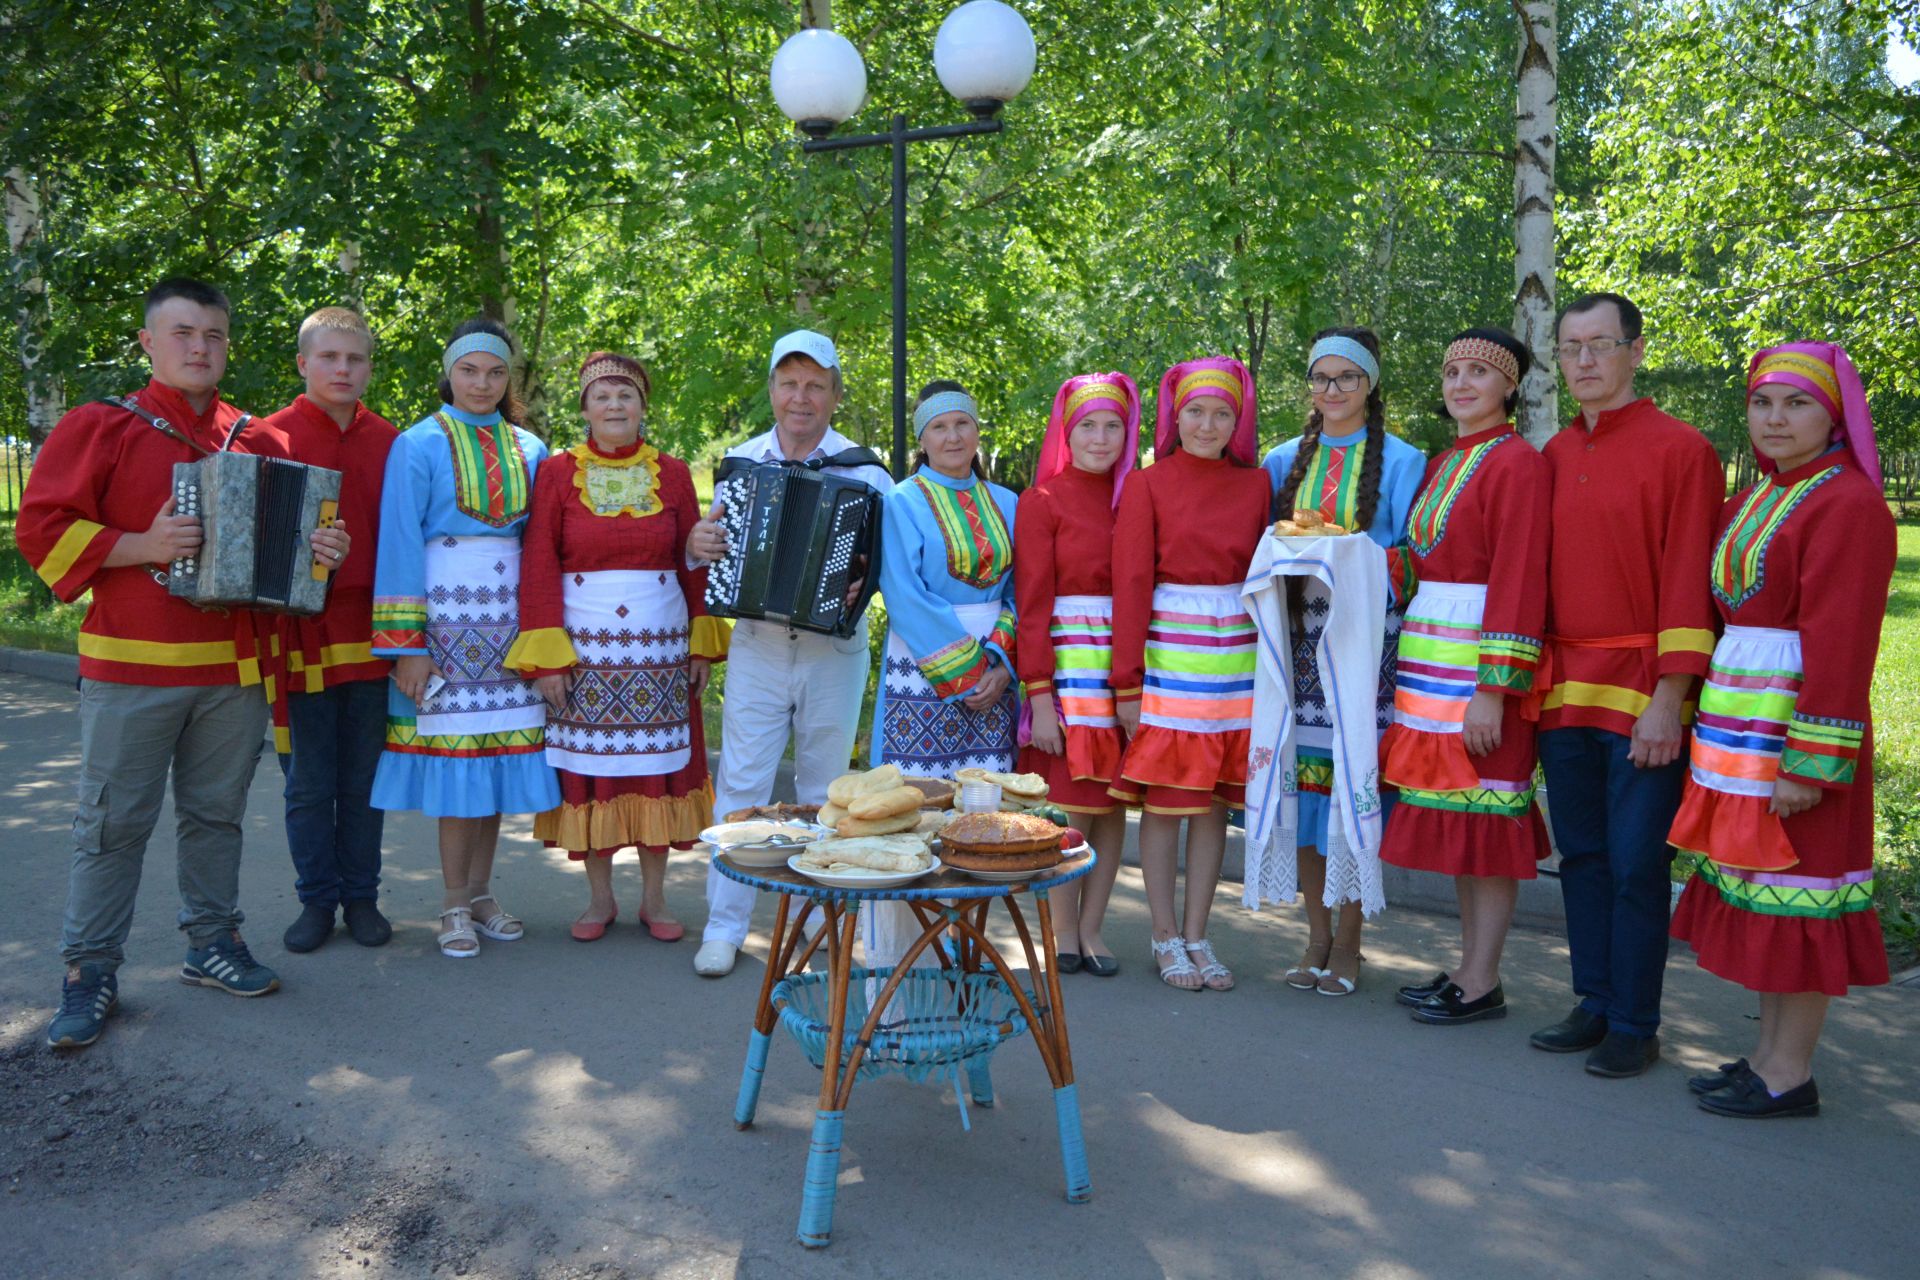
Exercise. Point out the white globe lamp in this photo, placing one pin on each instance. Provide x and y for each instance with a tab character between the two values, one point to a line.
818	80
984	54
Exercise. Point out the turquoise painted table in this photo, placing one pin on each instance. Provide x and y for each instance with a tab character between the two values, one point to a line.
928	1022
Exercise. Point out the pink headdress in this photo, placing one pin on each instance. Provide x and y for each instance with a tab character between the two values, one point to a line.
1221	376
1823	370
1079	396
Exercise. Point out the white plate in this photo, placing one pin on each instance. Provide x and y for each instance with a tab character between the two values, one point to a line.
761	854
1015	877
861	879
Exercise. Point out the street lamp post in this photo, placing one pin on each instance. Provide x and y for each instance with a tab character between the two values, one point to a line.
984	54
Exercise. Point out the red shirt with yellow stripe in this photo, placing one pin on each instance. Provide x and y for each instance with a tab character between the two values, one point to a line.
104	472
336	647
1634	504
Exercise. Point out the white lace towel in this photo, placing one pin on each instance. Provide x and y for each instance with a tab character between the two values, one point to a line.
1354	572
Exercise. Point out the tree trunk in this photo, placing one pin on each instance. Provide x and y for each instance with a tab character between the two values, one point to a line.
26	224
490	112
1536	103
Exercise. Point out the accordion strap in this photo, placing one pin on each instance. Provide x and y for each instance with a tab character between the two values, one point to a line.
166	428
858	456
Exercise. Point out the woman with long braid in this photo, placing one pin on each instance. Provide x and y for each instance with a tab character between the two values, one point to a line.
1349	469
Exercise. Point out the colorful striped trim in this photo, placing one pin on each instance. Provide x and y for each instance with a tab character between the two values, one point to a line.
1346	496
1507	660
159	653
489	469
956	668
1491	801
1776	894
1402	575
403	736
1003	633
400	611
66	553
1313	773
979	547
1740	557
1427	522
1823	749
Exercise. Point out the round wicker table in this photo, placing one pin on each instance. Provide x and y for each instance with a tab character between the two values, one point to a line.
927	1022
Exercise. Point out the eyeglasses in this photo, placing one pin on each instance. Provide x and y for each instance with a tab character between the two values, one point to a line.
1601	348
1348	381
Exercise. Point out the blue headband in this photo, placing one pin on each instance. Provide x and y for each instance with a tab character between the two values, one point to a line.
472	342
943	402
1352	350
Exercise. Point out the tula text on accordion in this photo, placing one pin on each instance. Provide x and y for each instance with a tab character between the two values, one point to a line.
796	537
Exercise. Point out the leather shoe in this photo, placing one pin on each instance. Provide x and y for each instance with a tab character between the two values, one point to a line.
365	924
1416	992
1728	1073
1449	1005
1623	1054
314	927
1748	1098
715	959
1069	961
1575	1033
1099	966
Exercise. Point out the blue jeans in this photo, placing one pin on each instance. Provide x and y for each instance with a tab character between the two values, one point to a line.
1610	820
333	830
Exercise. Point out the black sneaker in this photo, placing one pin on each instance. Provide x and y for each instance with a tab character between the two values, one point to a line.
1623	1054
1748	1098
85	1002
1575	1033
1419	991
314	927
1728	1073
1448	1006
365	923
227	964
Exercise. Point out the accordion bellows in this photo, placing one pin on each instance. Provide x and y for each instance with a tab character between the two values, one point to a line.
257	517
795	536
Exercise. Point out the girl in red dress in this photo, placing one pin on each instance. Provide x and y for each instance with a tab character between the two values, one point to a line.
1779	796
1459	749
1183	646
1063	585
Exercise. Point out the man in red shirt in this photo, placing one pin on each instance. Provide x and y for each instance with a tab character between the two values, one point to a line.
164	687
1635	495
336	688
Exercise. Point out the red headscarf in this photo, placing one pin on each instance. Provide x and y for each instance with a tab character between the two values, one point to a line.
1221	376
1822	370
1079	396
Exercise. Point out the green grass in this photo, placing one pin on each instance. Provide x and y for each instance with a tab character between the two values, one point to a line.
30	618
1896	757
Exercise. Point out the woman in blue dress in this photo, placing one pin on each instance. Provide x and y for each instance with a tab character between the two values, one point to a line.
465	734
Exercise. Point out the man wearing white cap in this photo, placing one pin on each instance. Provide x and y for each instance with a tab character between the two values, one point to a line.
781	681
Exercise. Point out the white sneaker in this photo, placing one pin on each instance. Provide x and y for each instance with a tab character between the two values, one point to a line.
715	959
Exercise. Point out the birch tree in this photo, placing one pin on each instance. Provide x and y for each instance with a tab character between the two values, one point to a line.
1536	105
26	224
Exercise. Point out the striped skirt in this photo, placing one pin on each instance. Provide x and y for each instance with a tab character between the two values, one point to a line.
1738	735
1196	705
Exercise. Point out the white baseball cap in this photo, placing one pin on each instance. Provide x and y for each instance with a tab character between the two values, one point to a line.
817	347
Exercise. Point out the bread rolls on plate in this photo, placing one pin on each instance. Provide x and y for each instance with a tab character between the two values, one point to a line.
848	787
852	827
831	814
885	804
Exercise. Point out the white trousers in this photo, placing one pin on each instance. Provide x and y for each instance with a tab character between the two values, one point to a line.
781	683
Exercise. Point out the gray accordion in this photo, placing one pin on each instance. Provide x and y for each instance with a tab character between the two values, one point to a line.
796	535
257	518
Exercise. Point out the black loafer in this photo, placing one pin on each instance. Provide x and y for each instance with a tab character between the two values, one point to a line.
1449	1005
1728	1073
1576	1032
1748	1098
1070	961
314	927
1623	1054
1421	990
1099	966
365	923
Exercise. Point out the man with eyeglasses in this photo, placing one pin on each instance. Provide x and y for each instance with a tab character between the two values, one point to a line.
1635	494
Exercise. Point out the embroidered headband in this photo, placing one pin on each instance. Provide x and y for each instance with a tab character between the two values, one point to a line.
1824	371
606	364
943	402
1489	353
1220	376
1078	398
1352	349
490	344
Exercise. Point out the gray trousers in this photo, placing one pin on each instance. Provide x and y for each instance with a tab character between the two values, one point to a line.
131	736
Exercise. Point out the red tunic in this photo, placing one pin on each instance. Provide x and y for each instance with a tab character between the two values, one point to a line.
603	814
1824	573
1063	546
1493	534
336	648
1633	508
103	472
1193	522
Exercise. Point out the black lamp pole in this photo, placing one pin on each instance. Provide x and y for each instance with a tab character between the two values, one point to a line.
898	138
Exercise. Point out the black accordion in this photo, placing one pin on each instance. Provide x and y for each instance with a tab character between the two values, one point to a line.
257	517
795	537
